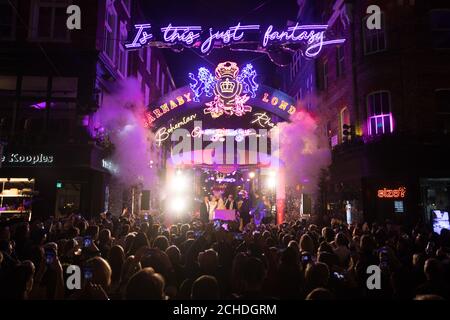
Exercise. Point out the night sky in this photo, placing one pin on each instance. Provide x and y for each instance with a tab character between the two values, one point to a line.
220	15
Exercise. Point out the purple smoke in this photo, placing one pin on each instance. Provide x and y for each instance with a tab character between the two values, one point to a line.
303	151
121	116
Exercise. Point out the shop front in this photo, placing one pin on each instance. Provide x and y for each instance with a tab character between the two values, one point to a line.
390	199
48	181
391	178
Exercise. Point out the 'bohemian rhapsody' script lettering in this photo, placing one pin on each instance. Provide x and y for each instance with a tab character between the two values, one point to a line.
312	36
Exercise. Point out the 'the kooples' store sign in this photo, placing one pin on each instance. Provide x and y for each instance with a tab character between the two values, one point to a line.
21	159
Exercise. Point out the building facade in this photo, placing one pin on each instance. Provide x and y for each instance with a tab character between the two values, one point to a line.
382	99
52	82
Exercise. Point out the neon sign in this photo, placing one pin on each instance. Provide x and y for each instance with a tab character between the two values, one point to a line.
311	36
180	100
391	193
263	119
163	133
227	87
277	102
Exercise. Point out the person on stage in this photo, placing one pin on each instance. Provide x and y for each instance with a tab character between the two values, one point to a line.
204	210
220	203
243	209
212	207
230	204
258	212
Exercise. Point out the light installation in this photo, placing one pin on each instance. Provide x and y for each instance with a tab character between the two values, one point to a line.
312	37
231	89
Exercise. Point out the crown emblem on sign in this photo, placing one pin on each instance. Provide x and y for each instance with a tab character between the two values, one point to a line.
227	86
232	88
227	68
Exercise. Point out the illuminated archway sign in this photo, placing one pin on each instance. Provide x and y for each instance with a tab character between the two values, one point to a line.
312	38
181	101
231	92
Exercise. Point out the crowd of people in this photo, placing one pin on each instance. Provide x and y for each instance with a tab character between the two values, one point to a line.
139	258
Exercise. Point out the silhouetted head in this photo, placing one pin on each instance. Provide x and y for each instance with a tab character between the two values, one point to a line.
145	285
205	288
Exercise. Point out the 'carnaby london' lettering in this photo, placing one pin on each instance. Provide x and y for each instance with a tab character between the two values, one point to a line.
278	103
312	36
152	115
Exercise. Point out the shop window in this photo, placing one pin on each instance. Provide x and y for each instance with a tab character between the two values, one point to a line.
379	120
375	39
48	20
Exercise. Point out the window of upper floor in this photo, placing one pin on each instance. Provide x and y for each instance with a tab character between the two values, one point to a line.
110	32
340	61
122	64
379	114
48	21
374	40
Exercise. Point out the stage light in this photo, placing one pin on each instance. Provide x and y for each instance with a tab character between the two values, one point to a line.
179	182
178	205
251	174
271	182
